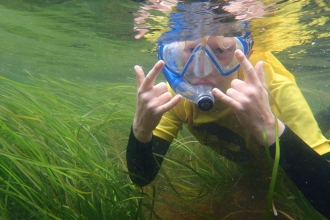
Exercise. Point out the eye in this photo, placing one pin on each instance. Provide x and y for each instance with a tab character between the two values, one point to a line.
219	50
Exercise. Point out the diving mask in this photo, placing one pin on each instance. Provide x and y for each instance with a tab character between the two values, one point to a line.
186	60
199	59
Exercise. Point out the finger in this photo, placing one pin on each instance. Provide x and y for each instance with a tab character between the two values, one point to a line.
248	69
139	75
163	98
224	98
260	72
238	84
169	105
236	95
150	78
159	89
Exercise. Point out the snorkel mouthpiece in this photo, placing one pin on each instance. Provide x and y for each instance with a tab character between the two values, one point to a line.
204	97
205	103
200	94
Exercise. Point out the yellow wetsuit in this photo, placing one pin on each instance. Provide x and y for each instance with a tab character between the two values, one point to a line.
220	129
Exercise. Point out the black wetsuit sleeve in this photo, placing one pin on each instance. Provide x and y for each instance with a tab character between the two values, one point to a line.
142	164
307	169
323	120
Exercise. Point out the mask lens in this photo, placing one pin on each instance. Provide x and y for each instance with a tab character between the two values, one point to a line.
201	60
172	54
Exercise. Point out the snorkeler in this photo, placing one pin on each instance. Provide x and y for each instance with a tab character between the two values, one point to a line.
223	98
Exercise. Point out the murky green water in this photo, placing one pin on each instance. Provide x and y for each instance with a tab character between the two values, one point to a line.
64	138
95	40
73	39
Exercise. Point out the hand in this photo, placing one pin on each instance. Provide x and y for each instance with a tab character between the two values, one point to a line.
249	100
152	102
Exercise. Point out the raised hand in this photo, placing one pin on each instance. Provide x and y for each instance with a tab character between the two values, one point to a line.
249	100
152	102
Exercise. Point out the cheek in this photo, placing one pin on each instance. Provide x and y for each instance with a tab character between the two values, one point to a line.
223	82
184	57
226	57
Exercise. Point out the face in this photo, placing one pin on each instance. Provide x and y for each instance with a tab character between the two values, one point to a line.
202	69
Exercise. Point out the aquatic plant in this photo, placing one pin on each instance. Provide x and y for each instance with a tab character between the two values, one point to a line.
197	178
62	152
62	149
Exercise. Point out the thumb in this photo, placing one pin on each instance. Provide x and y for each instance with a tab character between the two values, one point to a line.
259	68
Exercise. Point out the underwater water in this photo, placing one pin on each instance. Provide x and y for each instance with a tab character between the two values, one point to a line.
68	101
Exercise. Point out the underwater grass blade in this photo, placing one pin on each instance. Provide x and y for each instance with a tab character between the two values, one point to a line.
274	173
57	164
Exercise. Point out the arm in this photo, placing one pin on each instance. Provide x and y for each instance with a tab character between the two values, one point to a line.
323	120
307	169
152	102
142	164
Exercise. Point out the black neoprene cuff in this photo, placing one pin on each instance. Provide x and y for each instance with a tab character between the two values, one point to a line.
142	164
138	156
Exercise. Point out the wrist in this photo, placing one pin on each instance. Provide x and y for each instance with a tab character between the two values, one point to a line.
271	132
266	133
141	134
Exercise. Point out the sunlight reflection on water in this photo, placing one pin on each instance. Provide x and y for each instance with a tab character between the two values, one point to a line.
296	31
275	25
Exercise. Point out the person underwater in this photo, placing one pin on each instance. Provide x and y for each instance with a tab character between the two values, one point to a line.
219	88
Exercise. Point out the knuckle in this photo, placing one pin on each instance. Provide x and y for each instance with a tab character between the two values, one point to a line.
250	92
143	98
250	70
147	78
140	93
230	91
151	109
162	86
167	96
237	84
233	83
245	102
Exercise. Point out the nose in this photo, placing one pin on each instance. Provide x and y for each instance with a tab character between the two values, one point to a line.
202	64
